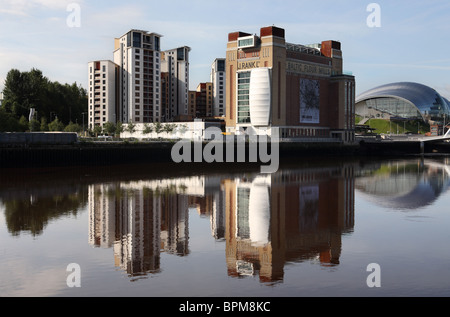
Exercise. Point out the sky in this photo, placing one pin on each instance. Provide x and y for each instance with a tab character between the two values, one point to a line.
395	41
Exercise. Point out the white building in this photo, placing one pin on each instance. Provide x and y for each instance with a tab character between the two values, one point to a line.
138	55
102	92
175	63
218	79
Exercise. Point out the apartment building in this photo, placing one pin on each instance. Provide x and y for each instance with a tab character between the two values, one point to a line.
175	67
138	54
218	78
103	88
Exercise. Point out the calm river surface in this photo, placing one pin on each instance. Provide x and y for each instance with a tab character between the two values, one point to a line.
338	228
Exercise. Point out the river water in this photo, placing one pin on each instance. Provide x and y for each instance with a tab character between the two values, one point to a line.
348	227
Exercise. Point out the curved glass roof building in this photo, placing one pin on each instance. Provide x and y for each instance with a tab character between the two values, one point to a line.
404	100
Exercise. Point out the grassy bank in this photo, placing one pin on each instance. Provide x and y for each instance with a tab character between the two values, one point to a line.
382	126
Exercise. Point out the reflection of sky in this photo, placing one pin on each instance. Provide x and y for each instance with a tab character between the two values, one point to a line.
405	190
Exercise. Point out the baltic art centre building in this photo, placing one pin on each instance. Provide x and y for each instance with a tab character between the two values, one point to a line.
300	90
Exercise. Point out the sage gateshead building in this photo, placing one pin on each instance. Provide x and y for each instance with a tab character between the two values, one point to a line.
300	91
403	100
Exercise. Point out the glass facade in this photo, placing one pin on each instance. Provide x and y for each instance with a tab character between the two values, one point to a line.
394	107
243	97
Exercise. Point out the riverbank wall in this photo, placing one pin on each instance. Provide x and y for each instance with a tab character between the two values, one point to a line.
65	151
111	153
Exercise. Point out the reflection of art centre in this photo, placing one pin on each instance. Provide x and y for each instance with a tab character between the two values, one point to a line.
403	100
286	217
298	90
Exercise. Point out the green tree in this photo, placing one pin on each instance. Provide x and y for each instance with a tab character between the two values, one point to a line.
56	125
73	127
34	125
97	130
158	127
44	125
147	129
169	127
119	128
8	123
131	127
25	90
109	128
23	124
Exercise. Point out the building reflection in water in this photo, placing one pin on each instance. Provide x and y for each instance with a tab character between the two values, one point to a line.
287	217
405	185
142	219
266	221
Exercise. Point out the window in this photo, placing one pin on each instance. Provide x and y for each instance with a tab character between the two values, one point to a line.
136	39
243	96
246	42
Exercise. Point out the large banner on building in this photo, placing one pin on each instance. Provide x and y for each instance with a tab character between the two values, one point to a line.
309	101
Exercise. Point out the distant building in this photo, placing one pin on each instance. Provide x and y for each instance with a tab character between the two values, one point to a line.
403	100
300	90
103	89
201	101
1	98
218	78
175	66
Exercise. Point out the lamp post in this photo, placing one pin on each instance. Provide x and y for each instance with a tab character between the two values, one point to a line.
84	134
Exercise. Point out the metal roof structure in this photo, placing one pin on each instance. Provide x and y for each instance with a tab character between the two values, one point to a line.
427	100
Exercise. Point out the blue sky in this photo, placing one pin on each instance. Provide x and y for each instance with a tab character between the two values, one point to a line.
412	43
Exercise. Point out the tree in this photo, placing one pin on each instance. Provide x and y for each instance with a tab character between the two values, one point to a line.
131	127
109	128
34	125
8	123
119	128
147	129
97	130
56	125
73	127
23	124
44	125
169	127
25	90
158	127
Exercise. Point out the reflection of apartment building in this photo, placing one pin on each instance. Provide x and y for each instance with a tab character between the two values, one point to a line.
174	224
293	216
142	219
102	210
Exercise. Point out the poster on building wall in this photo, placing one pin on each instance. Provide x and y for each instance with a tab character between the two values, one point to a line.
309	101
